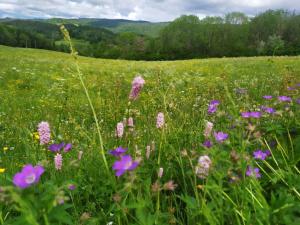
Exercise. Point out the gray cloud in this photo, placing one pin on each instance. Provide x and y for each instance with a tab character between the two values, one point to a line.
152	10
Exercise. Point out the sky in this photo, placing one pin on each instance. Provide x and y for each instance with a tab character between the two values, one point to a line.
150	10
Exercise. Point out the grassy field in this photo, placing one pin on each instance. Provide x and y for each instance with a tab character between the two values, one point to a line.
37	85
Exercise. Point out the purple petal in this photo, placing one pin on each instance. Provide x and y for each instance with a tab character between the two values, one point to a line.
133	166
120	172
68	147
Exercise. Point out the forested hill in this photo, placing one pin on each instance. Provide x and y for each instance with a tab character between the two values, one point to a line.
274	32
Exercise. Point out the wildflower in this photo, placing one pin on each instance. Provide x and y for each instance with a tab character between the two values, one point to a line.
155	187
160	172
208	128
213	106
251	114
44	132
28	176
80	153
148	151
169	186
120	130
56	147
291	88
220	136
126	163
36	135
253	172
71	187
255	114
268	97
203	166
246	114
298	101
284	99
207	144
259	154
268	153
137	85
118	151
268	110
160	120
130	122
68	147
58	161
2	170
5	149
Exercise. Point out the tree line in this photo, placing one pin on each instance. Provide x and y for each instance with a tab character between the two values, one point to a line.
273	32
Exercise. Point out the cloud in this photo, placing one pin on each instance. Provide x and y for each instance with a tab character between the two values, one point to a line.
152	10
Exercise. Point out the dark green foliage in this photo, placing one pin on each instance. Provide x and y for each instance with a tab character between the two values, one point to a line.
274	32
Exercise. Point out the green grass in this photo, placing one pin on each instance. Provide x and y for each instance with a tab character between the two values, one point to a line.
37	85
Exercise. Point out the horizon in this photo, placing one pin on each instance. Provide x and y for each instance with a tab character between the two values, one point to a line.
143	10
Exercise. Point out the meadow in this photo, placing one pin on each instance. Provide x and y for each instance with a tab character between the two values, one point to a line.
209	141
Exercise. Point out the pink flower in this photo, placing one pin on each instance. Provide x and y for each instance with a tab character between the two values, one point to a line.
169	186
130	122
203	166
208	129
44	132
160	172
137	85
58	161
120	130
160	120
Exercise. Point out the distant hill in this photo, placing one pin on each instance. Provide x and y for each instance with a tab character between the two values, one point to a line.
116	25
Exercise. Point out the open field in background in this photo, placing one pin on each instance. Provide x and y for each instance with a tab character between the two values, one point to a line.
39	85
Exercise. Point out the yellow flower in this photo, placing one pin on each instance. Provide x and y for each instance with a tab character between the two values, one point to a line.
5	148
2	170
36	135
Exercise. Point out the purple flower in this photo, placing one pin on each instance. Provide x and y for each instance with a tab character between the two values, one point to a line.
118	151
259	154
207	144
268	109
298	101
284	99
68	147
213	106
126	163
268	97
137	85
255	114
214	102
251	114
253	172
220	136
291	88
268	153
44	132
56	147
28	176
71	187
246	114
